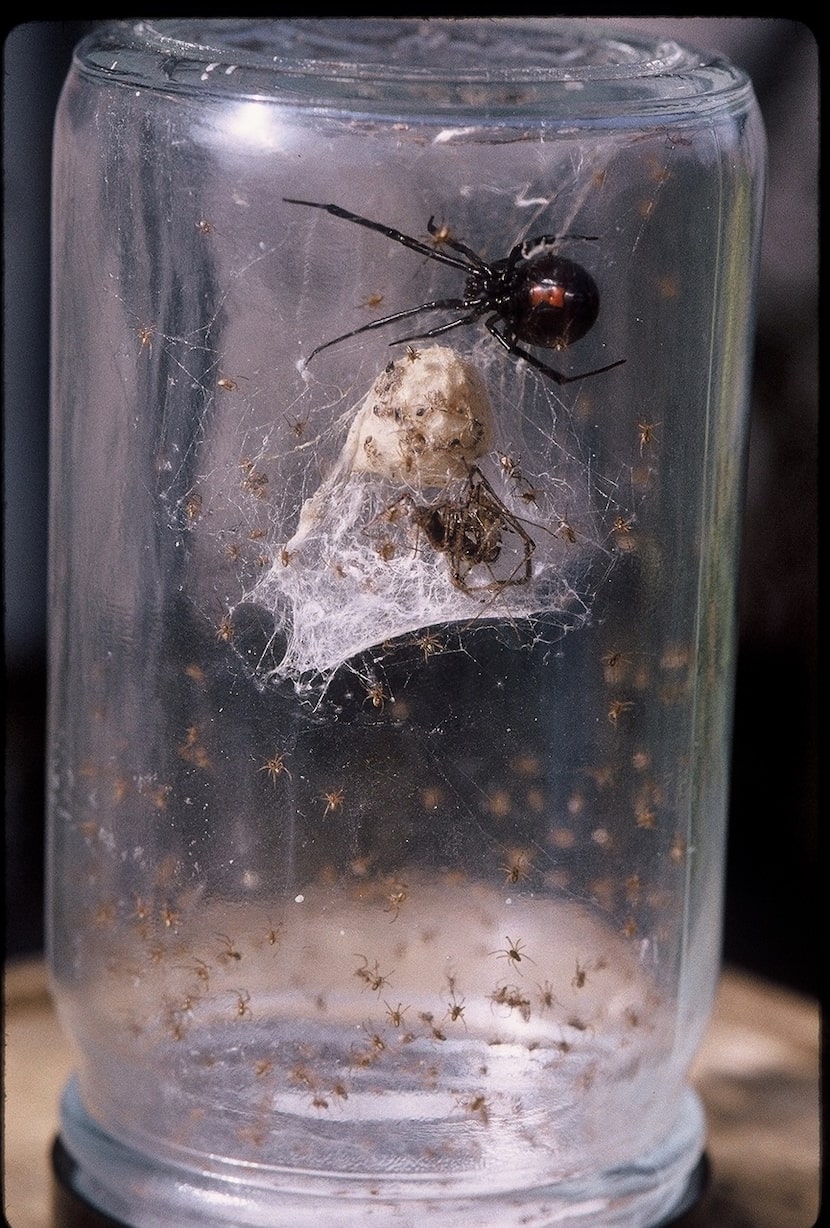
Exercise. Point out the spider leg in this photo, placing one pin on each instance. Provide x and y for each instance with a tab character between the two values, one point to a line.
518	351
438	330
446	304
397	235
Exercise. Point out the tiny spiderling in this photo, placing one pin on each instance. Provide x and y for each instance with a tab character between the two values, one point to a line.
275	767
514	952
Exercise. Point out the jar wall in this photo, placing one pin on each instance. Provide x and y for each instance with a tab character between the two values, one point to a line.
388	772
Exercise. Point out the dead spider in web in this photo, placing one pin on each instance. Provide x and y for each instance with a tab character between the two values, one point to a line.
471	531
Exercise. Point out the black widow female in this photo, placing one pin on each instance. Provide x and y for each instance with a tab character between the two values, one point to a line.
533	295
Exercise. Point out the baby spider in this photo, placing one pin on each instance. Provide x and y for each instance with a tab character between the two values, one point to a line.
225	630
229	951
646	432
395	899
439	235
547	998
170	918
200	970
395	1014
580	976
242	1009
514	952
517	867
510	467
618	707
376	696
455	1009
333	800
477	1106
145	336
371	976
513	998
533	295
275	766
429	644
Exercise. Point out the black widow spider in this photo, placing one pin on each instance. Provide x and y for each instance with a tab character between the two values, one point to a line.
538	296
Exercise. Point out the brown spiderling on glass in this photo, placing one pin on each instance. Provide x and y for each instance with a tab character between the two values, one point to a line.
242	1009
618	707
297	426
334	801
371	976
439	235
517	868
193	506
429	644
376	696
566	530
513	998
455	1009
514	952
510	467
255	483
145	336
228	951
170	919
646	432
395	1014
395	900
225	630
547	998
275	767
612	662
200	970
622	525
580	977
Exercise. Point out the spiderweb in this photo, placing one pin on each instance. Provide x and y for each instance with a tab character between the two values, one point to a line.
302	552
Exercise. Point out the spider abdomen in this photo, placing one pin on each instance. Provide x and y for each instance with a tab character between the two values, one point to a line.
553	301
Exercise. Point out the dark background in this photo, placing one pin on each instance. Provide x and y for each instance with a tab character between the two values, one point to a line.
771	917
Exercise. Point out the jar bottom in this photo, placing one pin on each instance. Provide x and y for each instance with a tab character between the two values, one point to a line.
98	1182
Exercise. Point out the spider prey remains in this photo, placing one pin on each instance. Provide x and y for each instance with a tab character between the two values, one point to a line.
470	531
533	295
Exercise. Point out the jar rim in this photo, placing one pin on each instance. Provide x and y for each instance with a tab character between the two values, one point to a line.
434	64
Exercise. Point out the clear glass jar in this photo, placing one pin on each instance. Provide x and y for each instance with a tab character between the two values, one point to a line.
392	659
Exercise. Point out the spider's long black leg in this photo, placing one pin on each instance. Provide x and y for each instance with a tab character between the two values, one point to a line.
445	304
518	351
436	332
398	236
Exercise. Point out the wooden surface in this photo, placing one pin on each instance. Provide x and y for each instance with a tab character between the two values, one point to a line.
757	1072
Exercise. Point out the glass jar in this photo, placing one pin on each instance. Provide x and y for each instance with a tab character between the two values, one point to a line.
400	384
